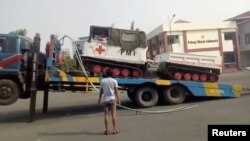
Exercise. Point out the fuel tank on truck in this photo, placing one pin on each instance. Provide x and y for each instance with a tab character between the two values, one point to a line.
122	50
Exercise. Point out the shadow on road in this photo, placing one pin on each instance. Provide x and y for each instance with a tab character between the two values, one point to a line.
57	112
85	110
53	112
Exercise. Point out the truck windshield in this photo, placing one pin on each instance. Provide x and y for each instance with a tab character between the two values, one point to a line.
7	44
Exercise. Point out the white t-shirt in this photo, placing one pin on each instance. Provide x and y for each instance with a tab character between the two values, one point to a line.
108	86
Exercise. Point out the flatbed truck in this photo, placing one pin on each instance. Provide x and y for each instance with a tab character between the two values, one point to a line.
43	73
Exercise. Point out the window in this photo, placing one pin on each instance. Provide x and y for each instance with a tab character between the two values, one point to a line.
229	35
7	45
229	60
99	32
1	44
247	38
128	37
161	46
173	39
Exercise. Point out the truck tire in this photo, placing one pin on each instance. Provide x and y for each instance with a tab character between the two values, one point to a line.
146	97
174	95
9	92
25	95
131	94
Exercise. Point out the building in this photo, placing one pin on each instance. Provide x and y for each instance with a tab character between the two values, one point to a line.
213	39
243	23
65	52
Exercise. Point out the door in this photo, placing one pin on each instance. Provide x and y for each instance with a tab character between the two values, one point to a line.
9	58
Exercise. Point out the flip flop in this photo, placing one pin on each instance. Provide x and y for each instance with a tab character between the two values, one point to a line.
116	131
106	132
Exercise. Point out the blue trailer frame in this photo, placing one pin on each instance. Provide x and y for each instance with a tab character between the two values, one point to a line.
55	76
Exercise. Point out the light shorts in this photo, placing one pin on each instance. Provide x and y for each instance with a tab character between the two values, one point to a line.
110	106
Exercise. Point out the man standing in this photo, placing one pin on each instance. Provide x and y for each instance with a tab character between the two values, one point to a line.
109	95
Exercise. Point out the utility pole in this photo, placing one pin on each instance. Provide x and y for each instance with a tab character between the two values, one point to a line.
132	25
170	31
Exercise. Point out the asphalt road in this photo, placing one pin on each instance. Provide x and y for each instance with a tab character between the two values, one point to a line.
77	117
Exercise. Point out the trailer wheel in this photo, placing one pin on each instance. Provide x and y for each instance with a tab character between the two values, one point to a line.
146	97
131	96
131	92
9	92
174	95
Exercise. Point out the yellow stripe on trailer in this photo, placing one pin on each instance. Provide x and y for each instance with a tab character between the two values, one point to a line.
237	89
85	79
63	76
163	82
212	89
47	78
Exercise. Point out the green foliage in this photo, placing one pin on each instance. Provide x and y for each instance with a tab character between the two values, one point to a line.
22	32
69	64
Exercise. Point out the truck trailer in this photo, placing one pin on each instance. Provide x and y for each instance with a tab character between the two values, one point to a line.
24	71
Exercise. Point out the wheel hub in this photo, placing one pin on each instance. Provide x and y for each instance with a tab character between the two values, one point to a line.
146	96
5	92
174	93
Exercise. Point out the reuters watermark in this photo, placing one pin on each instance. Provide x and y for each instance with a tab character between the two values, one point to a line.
221	132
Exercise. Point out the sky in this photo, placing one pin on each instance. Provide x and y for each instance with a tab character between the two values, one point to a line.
74	17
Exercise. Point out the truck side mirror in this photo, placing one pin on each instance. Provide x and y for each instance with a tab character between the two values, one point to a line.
23	46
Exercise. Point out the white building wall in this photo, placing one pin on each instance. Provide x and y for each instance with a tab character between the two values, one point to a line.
208	53
199	26
227	46
178	47
179	27
202	39
228	30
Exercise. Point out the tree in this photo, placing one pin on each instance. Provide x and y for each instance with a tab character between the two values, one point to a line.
22	32
69	64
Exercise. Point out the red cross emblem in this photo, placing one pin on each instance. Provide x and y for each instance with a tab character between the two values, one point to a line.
100	49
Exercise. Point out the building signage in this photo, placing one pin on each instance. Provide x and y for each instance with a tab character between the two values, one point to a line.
202	41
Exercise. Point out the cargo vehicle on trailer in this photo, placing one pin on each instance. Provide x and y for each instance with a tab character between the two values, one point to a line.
125	51
189	67
122	50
